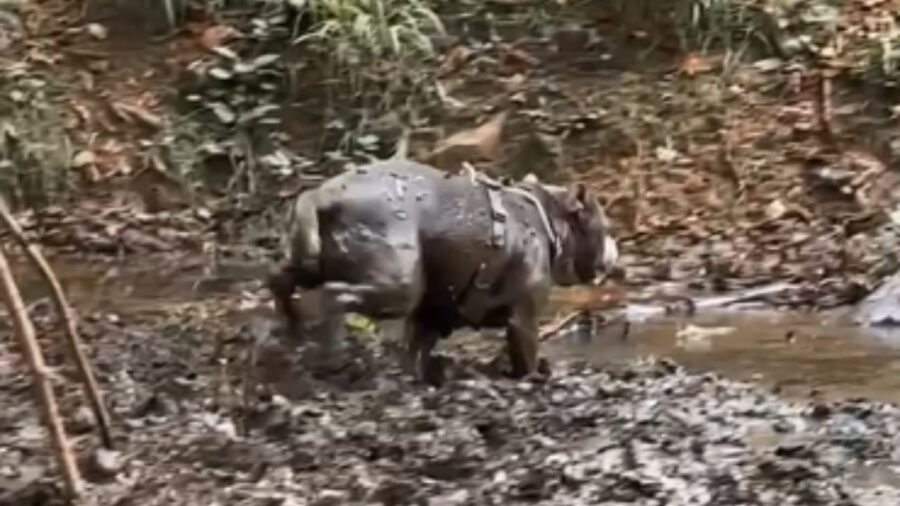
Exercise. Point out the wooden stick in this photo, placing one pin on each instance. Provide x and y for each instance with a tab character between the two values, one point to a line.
824	107
67	319
41	376
554	327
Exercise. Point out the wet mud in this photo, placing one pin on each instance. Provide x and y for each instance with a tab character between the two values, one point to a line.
211	409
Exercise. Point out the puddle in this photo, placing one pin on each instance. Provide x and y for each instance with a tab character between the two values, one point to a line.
147	285
798	353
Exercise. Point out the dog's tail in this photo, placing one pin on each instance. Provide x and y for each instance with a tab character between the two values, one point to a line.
303	243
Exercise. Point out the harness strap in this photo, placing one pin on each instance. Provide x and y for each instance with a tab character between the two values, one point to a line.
498	213
555	246
475	297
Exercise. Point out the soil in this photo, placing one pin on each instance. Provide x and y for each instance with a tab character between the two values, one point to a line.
196	424
718	176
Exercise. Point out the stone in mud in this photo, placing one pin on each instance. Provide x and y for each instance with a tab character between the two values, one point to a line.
83	420
572	39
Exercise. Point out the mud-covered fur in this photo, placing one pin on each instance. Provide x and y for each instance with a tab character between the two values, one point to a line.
398	239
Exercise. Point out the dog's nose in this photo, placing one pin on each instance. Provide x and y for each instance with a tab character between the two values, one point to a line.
610	254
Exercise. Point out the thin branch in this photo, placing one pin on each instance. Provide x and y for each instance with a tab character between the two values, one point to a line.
25	331
824	107
556	326
67	319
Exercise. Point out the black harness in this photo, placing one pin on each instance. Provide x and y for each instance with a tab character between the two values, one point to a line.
473	300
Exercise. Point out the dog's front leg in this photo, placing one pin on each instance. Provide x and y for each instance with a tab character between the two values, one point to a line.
420	342
522	339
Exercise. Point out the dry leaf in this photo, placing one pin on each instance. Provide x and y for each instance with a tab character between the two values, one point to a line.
86	163
775	210
216	36
82	112
141	114
454	61
516	59
83	159
514	83
694	64
482	142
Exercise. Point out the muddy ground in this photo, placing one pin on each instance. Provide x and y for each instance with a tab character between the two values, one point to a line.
195	424
718	177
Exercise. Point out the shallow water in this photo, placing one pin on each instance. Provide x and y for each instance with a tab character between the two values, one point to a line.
797	353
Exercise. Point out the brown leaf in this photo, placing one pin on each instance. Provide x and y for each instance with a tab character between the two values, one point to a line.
694	64
454	61
216	36
482	142
515	59
139	113
83	159
82	112
85	162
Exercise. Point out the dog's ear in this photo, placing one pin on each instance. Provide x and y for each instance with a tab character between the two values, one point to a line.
576	198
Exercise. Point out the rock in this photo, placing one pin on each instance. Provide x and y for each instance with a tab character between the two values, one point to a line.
103	465
393	491
882	306
571	39
456	498
330	498
83	420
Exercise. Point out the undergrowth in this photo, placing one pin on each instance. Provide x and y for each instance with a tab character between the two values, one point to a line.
884	55
701	25
35	152
372	51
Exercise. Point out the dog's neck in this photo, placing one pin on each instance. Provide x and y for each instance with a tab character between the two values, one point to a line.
552	216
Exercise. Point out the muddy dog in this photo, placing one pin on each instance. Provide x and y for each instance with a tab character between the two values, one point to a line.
398	239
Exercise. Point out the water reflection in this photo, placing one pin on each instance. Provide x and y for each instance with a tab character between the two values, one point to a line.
798	353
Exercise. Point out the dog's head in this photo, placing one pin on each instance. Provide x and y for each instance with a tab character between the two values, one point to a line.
588	247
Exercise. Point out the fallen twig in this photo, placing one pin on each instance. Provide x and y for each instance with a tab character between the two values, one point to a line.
556	326
24	329
824	108
67	319
553	328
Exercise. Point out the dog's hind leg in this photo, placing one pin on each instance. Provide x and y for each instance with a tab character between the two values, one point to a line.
302	247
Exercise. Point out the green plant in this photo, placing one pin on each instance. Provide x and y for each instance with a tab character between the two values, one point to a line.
355	31
884	57
35	151
355	36
701	24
